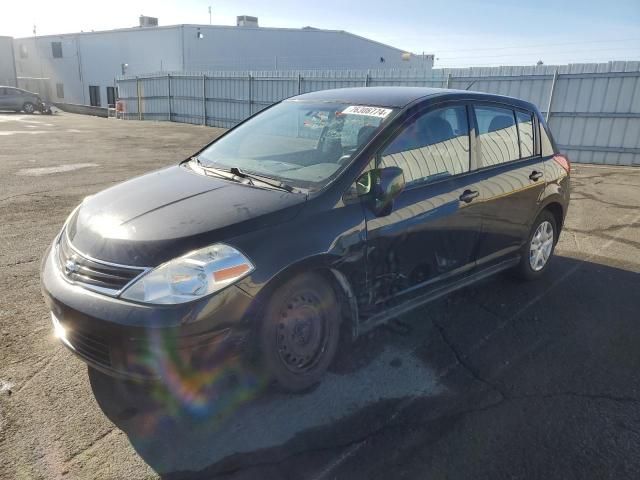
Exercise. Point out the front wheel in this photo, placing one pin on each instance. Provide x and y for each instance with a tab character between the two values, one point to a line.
538	250
300	331
29	108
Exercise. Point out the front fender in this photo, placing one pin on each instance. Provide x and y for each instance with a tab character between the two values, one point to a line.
333	241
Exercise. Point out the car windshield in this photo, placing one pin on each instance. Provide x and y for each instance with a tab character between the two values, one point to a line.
302	144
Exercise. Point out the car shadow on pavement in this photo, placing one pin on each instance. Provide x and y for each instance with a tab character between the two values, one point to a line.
469	352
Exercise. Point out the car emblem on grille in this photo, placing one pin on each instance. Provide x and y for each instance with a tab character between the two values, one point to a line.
70	266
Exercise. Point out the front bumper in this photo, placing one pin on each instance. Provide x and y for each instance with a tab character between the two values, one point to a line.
146	342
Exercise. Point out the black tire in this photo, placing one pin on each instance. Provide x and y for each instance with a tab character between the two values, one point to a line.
300	332
28	108
525	269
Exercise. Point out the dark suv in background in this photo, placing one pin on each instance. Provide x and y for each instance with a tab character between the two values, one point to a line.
324	215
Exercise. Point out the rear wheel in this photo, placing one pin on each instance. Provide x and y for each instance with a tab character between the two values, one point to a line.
300	332
29	108
538	250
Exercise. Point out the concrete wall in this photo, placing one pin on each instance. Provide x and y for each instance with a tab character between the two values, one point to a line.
83	109
7	65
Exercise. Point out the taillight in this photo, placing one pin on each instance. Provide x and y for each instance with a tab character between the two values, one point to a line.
563	162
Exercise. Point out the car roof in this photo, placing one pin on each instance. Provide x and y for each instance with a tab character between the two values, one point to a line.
400	97
14	88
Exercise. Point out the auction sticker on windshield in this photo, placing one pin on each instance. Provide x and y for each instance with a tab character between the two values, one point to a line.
368	111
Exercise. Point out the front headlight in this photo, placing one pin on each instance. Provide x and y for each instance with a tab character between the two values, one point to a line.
192	276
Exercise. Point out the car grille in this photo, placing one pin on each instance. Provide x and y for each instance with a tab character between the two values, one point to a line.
93	274
91	346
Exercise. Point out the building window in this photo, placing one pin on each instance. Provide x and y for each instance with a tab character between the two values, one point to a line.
56	49
111	96
60	90
94	95
23	51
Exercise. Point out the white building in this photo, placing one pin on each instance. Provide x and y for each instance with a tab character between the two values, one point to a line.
7	63
81	67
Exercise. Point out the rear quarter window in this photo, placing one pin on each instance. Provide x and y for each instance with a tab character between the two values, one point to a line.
525	132
546	145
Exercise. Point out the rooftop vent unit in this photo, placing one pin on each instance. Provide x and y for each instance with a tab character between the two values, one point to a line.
246	21
148	21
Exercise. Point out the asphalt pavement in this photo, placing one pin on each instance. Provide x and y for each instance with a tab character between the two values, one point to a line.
500	380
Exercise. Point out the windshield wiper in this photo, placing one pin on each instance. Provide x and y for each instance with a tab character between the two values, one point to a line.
234	173
217	172
262	178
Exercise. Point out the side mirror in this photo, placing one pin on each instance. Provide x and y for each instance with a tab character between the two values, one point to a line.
383	186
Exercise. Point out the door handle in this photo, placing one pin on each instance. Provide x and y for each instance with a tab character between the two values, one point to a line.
535	176
469	195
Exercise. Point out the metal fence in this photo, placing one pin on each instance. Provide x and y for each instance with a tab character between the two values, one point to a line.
593	109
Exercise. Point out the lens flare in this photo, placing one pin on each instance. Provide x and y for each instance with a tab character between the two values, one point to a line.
203	381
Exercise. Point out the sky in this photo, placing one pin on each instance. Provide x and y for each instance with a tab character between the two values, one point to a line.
458	32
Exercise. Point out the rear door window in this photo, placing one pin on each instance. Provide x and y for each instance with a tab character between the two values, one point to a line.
525	132
497	135
431	146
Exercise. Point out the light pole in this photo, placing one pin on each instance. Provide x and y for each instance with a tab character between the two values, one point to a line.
209	14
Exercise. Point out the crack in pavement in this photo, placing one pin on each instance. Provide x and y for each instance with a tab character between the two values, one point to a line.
19	262
617	238
91	445
40	370
586	396
486	308
462	361
350	447
609	229
26	194
599	199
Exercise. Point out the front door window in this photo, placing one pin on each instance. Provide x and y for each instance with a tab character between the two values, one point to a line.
433	146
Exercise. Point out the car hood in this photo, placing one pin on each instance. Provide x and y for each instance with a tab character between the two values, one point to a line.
164	214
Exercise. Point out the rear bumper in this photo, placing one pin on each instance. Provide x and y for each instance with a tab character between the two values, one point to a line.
142	342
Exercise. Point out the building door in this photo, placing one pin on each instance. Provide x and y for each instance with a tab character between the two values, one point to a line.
94	95
111	97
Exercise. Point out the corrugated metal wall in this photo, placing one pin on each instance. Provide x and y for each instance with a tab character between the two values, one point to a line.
593	109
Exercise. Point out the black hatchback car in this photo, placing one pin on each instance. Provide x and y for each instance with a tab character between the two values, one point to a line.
324	215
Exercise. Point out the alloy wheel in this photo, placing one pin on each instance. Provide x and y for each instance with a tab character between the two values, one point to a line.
541	246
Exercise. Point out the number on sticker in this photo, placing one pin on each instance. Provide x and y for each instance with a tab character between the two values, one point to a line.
368	111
